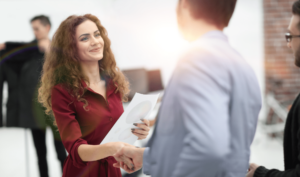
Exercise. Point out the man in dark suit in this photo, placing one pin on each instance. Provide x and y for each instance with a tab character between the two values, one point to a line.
21	66
292	127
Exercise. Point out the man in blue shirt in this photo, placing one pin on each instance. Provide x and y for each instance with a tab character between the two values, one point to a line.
210	108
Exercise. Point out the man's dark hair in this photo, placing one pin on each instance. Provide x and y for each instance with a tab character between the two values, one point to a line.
217	12
43	19
296	8
296	11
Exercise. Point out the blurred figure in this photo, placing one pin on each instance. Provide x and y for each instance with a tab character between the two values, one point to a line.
292	126
21	67
210	108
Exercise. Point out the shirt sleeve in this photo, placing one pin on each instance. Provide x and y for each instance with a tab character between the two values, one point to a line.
146	161
69	129
293	172
18	51
204	94
264	172
290	171
14	45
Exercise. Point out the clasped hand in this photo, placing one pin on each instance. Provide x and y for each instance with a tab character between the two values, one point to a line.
129	158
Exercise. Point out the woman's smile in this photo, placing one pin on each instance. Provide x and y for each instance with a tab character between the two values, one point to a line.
98	49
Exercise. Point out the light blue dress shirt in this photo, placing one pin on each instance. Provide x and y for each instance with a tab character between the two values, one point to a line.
208	115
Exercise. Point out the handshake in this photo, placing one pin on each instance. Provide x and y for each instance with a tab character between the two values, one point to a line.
129	158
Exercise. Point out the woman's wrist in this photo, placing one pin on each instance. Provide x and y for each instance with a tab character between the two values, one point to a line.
113	147
110	148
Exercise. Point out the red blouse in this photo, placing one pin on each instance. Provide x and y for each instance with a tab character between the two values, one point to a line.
78	126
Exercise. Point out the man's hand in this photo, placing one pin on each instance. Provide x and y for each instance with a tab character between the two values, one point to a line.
2	46
252	169
44	45
136	154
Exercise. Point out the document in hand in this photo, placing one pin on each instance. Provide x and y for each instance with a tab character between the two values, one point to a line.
140	107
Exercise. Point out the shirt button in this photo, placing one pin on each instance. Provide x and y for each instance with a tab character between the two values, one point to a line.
110	119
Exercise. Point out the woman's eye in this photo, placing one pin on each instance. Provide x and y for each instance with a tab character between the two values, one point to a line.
84	39
97	35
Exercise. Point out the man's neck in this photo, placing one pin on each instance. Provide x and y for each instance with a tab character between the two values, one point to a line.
44	38
198	28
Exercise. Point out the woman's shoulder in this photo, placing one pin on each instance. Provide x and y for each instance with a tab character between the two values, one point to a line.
61	90
61	98
59	87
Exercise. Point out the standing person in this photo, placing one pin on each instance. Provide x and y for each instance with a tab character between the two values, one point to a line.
292	127
21	66
84	89
210	108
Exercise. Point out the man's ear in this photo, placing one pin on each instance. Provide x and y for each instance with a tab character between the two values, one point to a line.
184	3
48	27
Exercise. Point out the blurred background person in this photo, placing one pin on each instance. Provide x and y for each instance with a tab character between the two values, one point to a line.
21	66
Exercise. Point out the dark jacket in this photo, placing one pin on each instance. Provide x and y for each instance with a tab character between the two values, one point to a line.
20	67
291	144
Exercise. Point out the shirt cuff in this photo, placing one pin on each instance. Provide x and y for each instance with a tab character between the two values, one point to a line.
77	162
260	172
146	161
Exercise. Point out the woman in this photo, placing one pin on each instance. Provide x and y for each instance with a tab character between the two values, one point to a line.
84	89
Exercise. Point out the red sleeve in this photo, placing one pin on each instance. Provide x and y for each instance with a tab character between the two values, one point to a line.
69	129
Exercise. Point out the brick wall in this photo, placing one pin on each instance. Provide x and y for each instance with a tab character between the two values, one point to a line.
282	76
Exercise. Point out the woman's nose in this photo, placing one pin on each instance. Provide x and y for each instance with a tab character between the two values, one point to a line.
289	45
93	41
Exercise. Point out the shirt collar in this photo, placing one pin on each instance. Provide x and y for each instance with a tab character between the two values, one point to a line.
215	34
110	87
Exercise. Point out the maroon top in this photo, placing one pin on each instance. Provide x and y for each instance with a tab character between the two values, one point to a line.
78	126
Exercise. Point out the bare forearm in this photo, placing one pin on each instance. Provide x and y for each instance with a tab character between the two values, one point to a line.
94	152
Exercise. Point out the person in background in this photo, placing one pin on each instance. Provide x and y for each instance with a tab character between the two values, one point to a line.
292	127
208	116
21	66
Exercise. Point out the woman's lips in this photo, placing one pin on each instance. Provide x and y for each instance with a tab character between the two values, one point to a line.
96	50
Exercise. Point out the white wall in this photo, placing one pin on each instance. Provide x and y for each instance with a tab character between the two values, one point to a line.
143	33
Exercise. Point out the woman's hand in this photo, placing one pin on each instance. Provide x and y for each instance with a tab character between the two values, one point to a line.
143	129
115	147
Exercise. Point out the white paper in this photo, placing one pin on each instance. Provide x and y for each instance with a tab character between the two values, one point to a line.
140	107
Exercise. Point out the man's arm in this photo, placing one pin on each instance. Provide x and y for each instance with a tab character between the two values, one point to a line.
17	51
204	96
146	161
11	45
264	172
261	171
